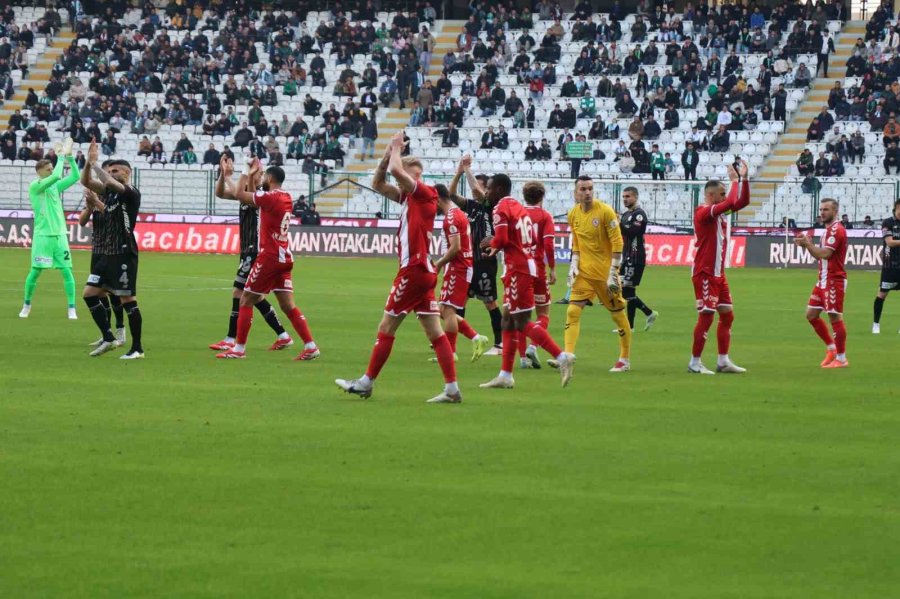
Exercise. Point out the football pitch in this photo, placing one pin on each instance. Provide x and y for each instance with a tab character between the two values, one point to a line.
183	476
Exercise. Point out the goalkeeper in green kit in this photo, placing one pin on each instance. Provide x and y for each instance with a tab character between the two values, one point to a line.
49	238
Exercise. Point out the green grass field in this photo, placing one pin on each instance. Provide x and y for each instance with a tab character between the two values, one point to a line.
183	476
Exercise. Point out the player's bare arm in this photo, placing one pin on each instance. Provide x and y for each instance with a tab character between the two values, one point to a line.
224	187
91	203
453	246
891	242
379	179
395	164
244	192
105	181
478	190
454	183
86	180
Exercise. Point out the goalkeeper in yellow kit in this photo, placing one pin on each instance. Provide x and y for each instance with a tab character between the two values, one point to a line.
594	269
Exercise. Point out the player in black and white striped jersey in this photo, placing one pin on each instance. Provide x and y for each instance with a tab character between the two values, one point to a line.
890	264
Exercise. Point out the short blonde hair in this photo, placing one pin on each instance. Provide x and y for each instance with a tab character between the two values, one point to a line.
533	192
409	161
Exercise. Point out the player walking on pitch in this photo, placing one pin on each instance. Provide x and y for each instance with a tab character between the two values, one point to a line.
828	293
413	287
543	251
708	273
50	237
271	271
633	223
114	267
890	264
248	225
457	266
513	235
594	269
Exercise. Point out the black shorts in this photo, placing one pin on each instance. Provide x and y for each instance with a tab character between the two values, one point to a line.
484	281
890	279
243	271
631	274
116	273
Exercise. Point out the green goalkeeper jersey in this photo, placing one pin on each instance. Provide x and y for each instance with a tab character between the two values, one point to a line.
46	203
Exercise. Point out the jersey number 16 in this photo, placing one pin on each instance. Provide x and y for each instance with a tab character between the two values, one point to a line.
526	231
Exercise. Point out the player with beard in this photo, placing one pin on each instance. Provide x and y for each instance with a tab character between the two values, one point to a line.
248	225
633	224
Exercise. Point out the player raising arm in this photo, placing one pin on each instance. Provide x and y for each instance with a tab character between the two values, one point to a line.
248	225
413	287
513	232
828	293
457	266
708	274
50	238
271	271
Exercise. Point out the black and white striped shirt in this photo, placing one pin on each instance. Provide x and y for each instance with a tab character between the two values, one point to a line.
114	227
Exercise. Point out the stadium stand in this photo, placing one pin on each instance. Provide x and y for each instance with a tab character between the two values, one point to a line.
246	81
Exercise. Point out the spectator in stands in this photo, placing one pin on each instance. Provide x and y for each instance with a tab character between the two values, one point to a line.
587	105
845	221
257	149
520	120
689	160
189	157
636	129
108	144
651	128
449	136
857	150
295	149
212	155
814	132
545	152
243	136
803	76
598	129
833	139
369	133
388	91
868	223
157	153
531	151
892	159
276	158
804	163
425	97
835	166
891	131
181	146
821	165
657	164
826	121
626	107
311	106
488	139
145	148
8	149
780	103
720	141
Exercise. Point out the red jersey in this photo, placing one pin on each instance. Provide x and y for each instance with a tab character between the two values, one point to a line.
832	269
544	232
274	223
456	224
712	233
417	211
514	234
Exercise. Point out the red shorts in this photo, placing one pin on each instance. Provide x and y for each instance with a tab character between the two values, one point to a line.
455	289
269	275
831	298
518	292
412	291
711	292
541	290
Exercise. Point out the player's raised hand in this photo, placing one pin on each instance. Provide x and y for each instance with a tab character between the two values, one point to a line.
93	151
743	169
464	164
802	240
91	198
397	140
732	174
255	166
67	145
226	166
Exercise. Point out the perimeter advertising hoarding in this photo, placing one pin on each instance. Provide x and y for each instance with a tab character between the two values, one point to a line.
863	253
662	249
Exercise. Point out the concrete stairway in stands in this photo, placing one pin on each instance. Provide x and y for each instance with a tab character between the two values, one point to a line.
38	75
332	202
793	140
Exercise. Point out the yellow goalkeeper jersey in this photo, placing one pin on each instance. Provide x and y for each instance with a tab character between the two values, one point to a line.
596	237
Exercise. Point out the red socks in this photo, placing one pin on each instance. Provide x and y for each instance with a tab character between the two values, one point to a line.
723	331
840	336
704	321
542	338
465	329
451	337
821	330
522	343
245	318
299	321
444	357
544	321
509	350
380	354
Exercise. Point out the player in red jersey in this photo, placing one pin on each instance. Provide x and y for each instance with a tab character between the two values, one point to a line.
457	266
513	234
828	293
413	287
271	271
544	253
711	229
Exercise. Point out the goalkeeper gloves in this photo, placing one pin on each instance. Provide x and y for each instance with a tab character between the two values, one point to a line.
612	282
573	270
